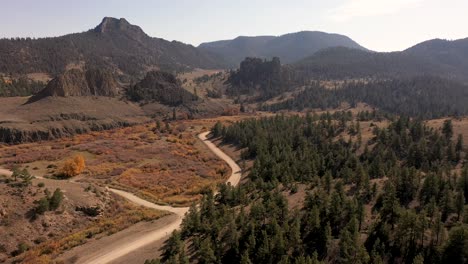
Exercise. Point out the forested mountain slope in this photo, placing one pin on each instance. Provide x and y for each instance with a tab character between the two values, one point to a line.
395	198
448	59
424	96
114	44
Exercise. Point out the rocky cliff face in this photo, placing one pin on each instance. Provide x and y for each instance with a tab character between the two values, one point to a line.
102	83
110	26
18	135
78	83
54	117
160	87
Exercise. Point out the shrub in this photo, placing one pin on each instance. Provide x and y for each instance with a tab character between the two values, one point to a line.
74	166
294	189
92	211
48	203
22	247
42	206
41	184
56	199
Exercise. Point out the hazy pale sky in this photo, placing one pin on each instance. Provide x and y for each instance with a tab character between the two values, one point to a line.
381	25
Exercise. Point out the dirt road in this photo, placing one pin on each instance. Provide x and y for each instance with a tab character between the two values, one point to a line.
124	242
5	172
113	251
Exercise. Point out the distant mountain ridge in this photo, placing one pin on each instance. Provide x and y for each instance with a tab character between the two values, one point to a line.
453	53
127	52
114	44
447	59
289	47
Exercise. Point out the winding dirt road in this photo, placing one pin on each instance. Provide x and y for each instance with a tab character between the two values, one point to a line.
115	251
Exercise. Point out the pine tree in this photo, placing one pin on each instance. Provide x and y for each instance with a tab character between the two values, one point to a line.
456	249
351	250
419	259
390	208
459	204
447	129
459	145
217	129
172	247
206	254
191	222
56	199
245	259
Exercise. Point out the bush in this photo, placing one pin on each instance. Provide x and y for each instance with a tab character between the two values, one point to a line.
48	203
294	189
22	247
41	184
42	206
92	211
56	199
73	167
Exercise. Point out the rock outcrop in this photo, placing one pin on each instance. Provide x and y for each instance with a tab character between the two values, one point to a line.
161	87
54	117
78	83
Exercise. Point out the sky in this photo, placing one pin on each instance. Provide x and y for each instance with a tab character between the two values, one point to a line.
380	25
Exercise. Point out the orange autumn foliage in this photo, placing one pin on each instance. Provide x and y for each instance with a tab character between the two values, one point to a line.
74	166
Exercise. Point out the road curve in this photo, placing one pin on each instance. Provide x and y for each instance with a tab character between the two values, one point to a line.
5	172
114	253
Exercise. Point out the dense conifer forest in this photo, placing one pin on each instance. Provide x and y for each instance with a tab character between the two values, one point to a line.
19	87
260	79
426	97
397	198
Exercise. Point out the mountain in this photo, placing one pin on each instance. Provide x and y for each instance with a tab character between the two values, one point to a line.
450	53
342	63
114	44
289	48
76	82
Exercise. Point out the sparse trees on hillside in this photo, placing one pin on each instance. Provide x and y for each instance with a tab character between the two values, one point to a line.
48	202
393	202
425	97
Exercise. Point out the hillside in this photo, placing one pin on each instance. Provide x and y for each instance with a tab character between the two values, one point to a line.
425	97
452	53
289	48
114	44
55	117
161	87
448	59
318	192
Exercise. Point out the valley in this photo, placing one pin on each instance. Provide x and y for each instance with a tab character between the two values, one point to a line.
299	148
125	245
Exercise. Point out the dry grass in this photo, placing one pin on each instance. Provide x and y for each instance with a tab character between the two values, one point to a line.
171	167
40	76
188	81
125	216
460	126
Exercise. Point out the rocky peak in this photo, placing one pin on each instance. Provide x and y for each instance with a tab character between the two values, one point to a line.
110	25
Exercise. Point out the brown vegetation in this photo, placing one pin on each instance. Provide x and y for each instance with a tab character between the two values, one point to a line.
73	166
165	163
